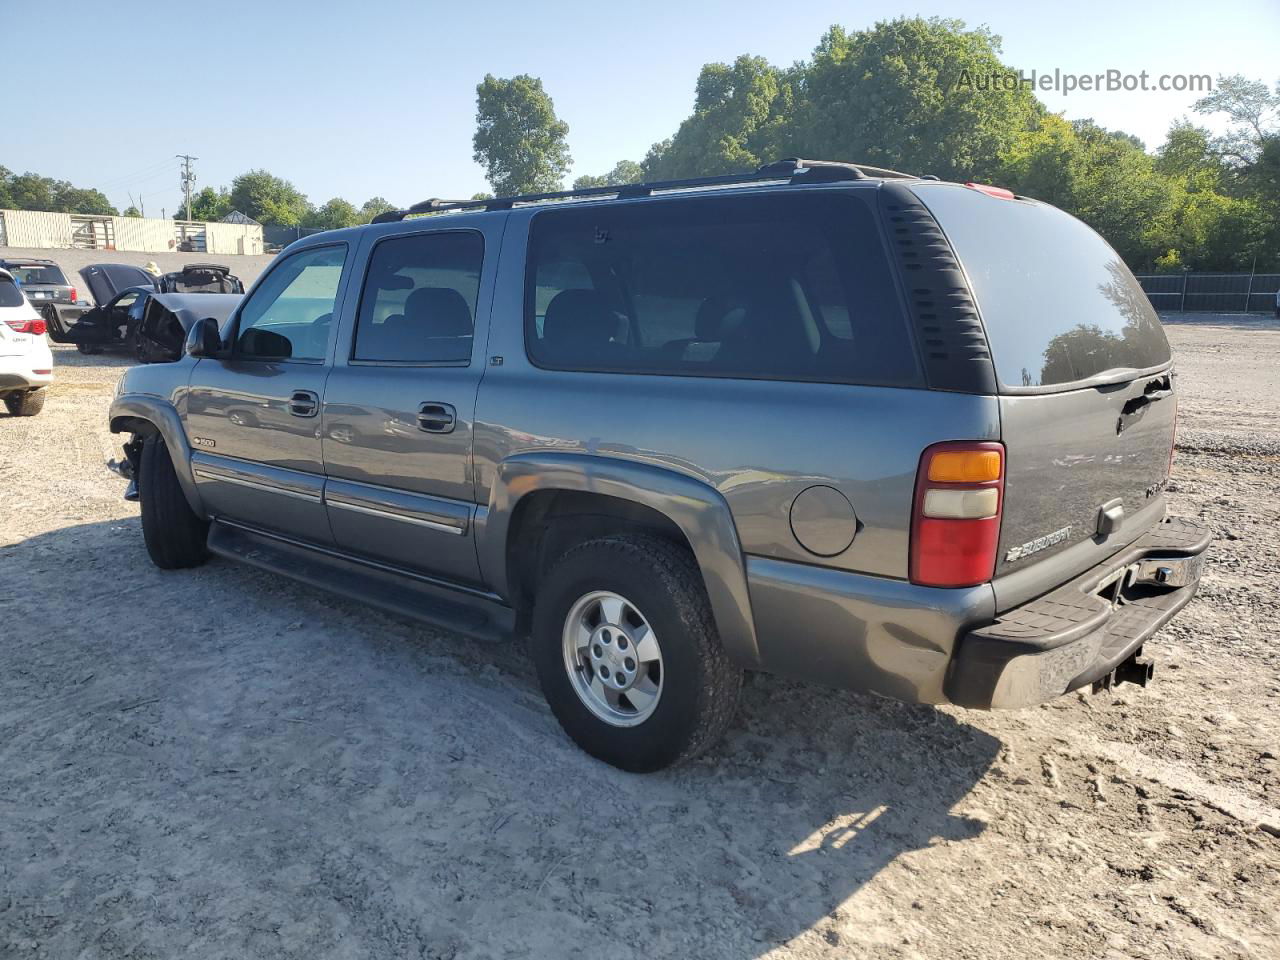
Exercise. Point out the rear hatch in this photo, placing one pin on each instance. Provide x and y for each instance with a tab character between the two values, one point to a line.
1087	396
41	282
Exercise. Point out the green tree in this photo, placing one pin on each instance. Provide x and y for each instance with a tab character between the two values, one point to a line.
268	199
211	205
69	199
374	206
1253	110
623	172
742	114
333	215
925	96
131	211
519	140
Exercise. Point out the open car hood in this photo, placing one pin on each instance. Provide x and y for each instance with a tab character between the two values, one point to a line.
105	280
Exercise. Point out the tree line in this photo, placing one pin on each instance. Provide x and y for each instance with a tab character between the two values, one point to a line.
892	96
258	194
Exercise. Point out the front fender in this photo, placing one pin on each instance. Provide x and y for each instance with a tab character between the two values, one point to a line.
695	507
136	412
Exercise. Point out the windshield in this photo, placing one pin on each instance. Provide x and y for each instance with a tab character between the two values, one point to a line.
1058	304
30	273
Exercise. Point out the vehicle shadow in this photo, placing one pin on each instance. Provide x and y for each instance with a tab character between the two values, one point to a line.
300	763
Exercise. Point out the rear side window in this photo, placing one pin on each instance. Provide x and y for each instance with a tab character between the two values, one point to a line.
10	295
787	286
419	300
1058	304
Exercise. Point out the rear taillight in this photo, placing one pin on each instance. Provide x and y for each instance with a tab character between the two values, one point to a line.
36	326
73	294
955	524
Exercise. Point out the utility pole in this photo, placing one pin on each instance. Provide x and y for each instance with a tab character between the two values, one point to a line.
188	178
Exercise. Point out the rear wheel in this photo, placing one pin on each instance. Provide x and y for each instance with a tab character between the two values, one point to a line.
175	536
628	655
25	404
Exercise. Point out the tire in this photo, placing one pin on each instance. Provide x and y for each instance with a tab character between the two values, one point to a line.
697	685
89	349
25	404
176	538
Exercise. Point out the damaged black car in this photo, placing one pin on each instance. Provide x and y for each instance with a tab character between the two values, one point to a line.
132	314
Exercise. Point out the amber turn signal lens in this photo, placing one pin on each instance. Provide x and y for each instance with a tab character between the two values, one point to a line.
964	466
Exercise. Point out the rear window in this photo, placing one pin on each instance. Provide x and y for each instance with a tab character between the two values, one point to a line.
1058	304
10	295
788	287
37	273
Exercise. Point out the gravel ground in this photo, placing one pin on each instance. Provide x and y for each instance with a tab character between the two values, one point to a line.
220	763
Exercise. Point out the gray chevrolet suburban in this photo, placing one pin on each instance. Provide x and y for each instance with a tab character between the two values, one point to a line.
867	429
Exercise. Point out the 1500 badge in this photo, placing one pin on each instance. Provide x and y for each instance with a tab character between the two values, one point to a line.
1038	544
203	442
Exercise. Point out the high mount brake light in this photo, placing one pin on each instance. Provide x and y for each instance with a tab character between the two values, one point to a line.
991	191
955	521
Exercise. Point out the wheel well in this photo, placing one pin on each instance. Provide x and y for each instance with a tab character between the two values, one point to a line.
549	522
138	425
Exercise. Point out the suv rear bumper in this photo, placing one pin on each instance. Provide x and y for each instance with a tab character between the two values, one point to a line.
1084	629
19	372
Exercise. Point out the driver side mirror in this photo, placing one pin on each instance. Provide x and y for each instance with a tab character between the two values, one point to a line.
203	339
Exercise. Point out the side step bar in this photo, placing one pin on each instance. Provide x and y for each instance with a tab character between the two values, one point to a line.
473	612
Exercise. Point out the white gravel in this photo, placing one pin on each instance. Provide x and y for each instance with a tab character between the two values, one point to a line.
219	763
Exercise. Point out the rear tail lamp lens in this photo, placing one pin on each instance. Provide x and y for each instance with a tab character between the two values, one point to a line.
955	524
36	327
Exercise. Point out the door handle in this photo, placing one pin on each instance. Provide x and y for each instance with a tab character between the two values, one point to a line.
303	403
436	417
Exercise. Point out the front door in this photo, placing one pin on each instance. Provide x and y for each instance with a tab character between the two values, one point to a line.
253	419
399	404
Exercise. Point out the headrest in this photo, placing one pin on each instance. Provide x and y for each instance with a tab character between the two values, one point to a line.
580	317
438	312
717	317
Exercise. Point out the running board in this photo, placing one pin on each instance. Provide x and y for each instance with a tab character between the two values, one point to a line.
464	610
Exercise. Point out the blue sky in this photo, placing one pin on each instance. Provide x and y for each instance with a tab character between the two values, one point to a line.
378	97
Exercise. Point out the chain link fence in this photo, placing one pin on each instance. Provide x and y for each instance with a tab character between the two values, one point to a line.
1212	292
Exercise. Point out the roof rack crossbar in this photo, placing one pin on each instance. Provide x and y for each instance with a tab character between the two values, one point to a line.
792	169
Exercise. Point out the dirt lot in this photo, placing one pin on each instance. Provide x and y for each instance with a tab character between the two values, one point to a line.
220	763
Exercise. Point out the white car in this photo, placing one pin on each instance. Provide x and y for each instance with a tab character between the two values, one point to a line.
26	362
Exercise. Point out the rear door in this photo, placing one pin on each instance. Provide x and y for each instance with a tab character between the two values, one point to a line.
253	419
1088	397
399	405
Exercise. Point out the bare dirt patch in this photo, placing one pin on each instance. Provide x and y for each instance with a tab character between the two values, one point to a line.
218	763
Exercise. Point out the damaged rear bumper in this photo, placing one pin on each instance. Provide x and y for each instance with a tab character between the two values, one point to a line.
1081	632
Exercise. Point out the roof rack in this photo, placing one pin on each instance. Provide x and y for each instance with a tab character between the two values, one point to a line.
793	170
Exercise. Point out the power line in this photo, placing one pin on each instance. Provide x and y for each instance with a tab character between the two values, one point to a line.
148	171
188	178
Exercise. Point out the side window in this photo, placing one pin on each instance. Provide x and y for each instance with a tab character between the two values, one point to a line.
419	300
289	315
782	287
